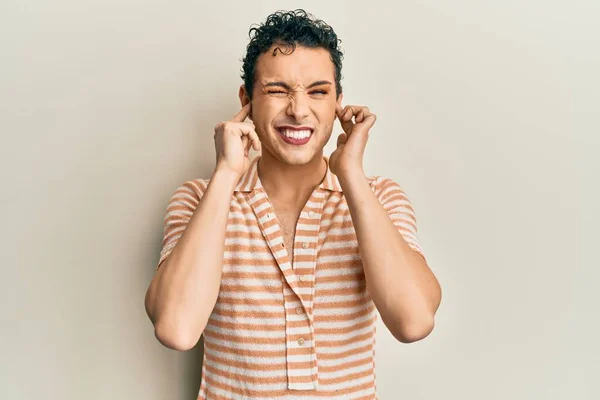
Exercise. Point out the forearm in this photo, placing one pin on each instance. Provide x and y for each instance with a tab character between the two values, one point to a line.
185	288
404	290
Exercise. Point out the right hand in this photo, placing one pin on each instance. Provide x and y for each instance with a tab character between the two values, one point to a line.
233	140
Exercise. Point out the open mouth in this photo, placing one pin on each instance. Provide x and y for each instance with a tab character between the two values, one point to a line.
295	135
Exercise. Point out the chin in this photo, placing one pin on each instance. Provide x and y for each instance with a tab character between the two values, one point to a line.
294	157
300	159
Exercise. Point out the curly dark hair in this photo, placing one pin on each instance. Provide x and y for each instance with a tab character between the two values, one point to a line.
290	28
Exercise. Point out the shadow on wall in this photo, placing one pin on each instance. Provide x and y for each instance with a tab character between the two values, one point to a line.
193	370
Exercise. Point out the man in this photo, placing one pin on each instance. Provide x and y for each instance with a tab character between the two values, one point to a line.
285	262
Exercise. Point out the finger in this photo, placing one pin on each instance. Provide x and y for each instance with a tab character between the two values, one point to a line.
346	123
341	139
365	111
247	148
255	140
255	145
360	116
353	110
338	110
368	122
242	114
243	128
348	113
250	124
247	130
342	112
245	142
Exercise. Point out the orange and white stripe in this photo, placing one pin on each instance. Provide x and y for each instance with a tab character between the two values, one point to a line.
283	331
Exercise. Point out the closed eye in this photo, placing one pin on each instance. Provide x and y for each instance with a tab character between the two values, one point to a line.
319	92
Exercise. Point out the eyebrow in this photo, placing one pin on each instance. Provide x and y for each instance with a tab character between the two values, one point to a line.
288	87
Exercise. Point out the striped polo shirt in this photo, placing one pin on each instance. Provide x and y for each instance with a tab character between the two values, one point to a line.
283	330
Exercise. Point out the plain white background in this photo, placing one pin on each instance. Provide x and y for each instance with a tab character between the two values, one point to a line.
487	116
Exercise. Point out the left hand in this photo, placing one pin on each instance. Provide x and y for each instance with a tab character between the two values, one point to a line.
348	157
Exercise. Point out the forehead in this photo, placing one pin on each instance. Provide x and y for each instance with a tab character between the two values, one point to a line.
303	66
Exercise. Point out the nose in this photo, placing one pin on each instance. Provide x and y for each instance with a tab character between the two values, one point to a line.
298	107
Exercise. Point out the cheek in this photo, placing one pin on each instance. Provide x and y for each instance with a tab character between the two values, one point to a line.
325	113
260	112
269	108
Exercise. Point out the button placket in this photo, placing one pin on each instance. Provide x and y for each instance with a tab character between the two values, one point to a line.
299	334
273	235
304	334
316	219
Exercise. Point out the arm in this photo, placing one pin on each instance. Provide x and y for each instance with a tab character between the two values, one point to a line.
403	288
185	288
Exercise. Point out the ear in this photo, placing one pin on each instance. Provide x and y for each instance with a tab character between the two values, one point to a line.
244	99
338	104
340	99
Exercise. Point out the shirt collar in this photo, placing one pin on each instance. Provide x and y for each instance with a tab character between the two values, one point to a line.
250	180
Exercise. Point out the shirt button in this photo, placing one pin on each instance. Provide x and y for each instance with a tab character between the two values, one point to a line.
301	342
299	310
305	245
303	278
311	214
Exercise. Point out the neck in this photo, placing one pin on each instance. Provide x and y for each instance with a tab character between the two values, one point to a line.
290	181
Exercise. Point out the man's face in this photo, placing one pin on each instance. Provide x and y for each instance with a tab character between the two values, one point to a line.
294	101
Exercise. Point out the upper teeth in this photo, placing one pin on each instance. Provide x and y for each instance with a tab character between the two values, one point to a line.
296	134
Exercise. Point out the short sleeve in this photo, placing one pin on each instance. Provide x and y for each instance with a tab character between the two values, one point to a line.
180	209
399	208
